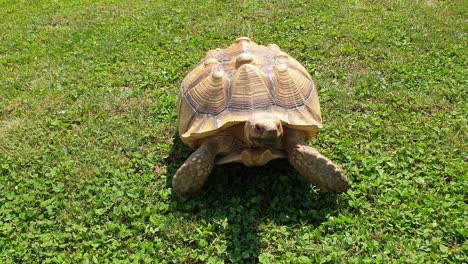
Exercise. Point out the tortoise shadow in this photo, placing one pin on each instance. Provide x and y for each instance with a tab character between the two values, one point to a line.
248	198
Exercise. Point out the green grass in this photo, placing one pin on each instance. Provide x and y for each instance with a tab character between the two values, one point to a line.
88	142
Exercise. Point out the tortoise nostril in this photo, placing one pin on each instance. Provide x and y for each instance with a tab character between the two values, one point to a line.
258	128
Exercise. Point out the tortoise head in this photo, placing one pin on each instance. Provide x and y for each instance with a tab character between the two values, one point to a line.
263	130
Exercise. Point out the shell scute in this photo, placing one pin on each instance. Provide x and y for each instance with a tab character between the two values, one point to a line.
292	88
209	95
249	90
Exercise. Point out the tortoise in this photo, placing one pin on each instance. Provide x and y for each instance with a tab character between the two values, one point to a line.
251	104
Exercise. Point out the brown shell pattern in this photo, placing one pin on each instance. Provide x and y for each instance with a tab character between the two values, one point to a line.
228	85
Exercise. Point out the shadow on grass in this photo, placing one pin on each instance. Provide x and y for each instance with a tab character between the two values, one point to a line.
248	197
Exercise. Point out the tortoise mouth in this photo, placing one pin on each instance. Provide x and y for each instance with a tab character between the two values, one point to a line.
272	143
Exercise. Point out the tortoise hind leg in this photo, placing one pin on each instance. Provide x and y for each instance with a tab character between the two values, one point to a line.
192	175
316	168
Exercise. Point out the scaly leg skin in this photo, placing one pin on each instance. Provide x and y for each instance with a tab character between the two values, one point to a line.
192	175
315	167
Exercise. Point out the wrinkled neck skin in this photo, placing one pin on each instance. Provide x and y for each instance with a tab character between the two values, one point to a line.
263	130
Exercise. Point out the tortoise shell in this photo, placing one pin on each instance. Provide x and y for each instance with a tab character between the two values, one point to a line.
230	84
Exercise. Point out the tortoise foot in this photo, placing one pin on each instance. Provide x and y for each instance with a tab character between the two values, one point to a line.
317	169
192	175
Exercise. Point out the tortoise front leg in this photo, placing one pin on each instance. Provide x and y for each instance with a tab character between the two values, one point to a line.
314	167
192	175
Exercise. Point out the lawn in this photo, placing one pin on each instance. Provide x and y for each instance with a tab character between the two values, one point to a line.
88	142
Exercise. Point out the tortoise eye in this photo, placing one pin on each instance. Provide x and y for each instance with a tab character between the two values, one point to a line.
258	128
